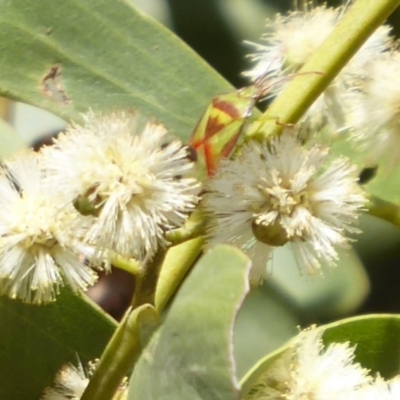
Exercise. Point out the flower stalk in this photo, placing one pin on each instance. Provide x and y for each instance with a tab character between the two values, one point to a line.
194	227
146	282
130	265
383	209
122	352
176	265
131	336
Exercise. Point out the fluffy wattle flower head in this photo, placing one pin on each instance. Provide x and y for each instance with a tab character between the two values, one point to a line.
309	371
374	114
279	193
71	381
288	44
41	238
291	40
139	180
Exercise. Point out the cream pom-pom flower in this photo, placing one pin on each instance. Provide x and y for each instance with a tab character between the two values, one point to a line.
309	371
41	237
71	381
374	112
139	181
288	44
279	193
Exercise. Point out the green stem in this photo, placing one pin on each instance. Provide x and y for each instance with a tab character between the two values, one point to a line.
127	342
193	228
146	282
362	19
177	263
121	352
129	265
384	209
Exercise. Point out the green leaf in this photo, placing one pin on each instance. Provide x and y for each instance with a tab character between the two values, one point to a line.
103	55
190	357
37	340
254	333
341	145
377	338
10	141
337	293
386	184
377	341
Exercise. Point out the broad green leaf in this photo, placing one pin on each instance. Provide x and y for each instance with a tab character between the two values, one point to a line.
9	140
337	293
191	355
377	341
377	338
101	54
37	340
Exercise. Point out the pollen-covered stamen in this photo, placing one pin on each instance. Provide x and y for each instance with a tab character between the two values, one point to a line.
33	222
280	203
279	199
